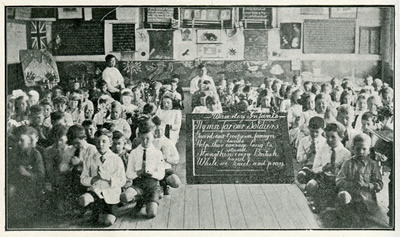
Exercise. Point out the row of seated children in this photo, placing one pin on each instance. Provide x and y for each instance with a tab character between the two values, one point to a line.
142	92
97	174
345	179
285	97
77	107
349	112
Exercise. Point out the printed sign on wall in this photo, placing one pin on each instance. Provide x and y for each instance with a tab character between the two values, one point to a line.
160	14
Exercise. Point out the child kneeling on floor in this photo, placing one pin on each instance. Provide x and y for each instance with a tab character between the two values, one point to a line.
171	156
327	163
146	167
104	175
308	147
358	181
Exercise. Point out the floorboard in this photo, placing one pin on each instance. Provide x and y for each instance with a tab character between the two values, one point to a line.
176	212
161	220
301	202
129	222
250	211
191	207
234	209
220	208
292	209
206	214
264	207
281	214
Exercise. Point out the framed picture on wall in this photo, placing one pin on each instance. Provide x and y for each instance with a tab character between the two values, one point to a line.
161	44
208	36
70	13
290	35
343	12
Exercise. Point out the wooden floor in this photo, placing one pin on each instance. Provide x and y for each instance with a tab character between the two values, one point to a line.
228	206
217	206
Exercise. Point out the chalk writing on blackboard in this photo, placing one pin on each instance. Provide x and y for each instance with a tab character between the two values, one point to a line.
238	145
123	37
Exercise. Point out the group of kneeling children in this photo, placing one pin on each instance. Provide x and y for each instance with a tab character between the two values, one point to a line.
97	177
336	178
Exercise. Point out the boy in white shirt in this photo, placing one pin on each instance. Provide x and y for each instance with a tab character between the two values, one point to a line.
171	156
146	167
308	147
104	175
327	163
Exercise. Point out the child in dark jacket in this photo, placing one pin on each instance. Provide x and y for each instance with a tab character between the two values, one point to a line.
358	180
25	175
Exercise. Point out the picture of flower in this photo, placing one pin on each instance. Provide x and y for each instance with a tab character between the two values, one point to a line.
132	68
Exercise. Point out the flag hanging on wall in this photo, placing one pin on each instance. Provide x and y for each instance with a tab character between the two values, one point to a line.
37	38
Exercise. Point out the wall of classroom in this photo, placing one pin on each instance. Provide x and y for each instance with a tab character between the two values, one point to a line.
279	63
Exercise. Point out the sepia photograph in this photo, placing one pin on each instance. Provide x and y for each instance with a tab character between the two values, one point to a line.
199	117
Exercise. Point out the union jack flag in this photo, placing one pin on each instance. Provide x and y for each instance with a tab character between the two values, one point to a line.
38	39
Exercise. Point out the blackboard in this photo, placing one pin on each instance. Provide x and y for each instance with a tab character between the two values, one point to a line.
123	37
238	148
43	12
104	13
79	37
329	36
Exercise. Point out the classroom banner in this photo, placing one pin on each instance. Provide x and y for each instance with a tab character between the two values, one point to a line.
238	148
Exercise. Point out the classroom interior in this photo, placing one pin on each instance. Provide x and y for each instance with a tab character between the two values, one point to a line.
53	46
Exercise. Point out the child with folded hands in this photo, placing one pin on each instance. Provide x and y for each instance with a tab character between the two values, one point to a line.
358	181
104	175
146	167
